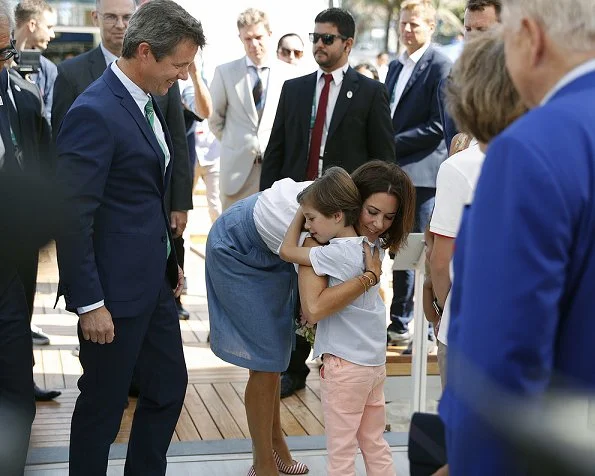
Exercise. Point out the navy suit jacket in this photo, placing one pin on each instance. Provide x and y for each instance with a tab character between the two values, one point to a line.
522	298
417	129
116	179
359	130
76	74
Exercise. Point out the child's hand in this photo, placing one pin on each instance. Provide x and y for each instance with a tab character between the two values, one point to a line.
372	260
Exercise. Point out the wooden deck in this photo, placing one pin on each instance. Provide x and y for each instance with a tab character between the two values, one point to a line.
213	407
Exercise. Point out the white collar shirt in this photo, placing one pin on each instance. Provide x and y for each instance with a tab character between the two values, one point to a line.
333	95
141	98
581	70
409	62
261	72
108	55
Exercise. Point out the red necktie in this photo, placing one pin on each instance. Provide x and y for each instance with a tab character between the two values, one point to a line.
316	139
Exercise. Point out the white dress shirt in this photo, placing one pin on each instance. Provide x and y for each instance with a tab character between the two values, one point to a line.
333	94
408	62
108	55
259	72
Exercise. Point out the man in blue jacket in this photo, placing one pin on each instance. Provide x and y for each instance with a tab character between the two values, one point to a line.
524	265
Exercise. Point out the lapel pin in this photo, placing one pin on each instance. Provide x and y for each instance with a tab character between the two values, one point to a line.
1	101
349	94
17	87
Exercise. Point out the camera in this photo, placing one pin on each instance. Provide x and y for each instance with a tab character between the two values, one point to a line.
29	61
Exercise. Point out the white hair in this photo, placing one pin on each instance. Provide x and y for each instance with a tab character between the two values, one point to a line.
570	23
7	11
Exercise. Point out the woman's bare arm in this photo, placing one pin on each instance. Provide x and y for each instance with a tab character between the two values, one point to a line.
319	301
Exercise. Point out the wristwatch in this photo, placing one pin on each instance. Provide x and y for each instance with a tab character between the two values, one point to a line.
437	307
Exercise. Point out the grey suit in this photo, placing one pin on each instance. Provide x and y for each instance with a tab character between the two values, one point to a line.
76	74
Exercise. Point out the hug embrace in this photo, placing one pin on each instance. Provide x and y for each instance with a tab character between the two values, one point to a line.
252	296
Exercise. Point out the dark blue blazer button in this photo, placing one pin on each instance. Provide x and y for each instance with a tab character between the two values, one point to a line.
163	239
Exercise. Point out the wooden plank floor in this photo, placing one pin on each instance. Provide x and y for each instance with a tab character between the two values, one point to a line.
213	410
214	404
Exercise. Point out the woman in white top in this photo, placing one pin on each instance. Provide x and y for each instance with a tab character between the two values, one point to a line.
351	341
251	291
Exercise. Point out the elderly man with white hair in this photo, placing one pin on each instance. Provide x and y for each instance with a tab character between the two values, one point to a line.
524	264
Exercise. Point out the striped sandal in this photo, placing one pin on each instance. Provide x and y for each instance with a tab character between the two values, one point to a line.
295	468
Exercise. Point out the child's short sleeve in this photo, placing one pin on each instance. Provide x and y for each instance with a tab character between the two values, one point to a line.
339	260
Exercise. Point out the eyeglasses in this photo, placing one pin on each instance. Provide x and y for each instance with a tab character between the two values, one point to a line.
287	52
327	38
8	52
112	19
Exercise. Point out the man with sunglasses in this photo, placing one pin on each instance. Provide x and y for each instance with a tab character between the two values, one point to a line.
334	116
76	74
290	48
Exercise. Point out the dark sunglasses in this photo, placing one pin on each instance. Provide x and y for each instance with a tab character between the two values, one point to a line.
327	38
287	52
8	52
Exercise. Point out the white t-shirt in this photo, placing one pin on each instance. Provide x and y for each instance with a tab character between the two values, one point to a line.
357	333
455	186
274	210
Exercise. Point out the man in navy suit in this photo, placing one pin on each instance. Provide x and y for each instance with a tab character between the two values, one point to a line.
412	82
76	74
117	265
524	258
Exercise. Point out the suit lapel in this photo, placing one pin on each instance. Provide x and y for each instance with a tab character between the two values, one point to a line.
242	86
273	92
130	105
419	68
392	78
97	64
305	99
349	88
10	163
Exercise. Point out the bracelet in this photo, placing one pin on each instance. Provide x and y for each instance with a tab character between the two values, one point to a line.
370	282
374	274
363	281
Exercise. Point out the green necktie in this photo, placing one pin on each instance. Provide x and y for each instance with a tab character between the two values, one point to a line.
150	115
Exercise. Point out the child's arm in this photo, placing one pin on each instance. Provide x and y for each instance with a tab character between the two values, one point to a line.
290	251
319	301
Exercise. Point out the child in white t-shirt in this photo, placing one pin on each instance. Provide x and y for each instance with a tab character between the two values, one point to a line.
351	341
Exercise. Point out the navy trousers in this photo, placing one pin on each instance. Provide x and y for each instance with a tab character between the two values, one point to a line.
401	309
151	343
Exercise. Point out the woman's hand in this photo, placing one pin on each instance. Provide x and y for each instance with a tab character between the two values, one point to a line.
372	260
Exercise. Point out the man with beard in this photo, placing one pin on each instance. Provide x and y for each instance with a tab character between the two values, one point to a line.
334	116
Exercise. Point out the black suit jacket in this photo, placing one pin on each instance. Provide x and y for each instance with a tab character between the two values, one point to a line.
76	74
360	128
417	128
39	213
32	129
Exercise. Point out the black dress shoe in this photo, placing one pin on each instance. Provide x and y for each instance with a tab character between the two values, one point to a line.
291	383
183	314
45	395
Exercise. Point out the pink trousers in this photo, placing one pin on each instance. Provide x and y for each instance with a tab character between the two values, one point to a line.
353	404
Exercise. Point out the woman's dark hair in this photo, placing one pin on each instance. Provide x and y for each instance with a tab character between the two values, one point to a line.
333	192
377	176
370	68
